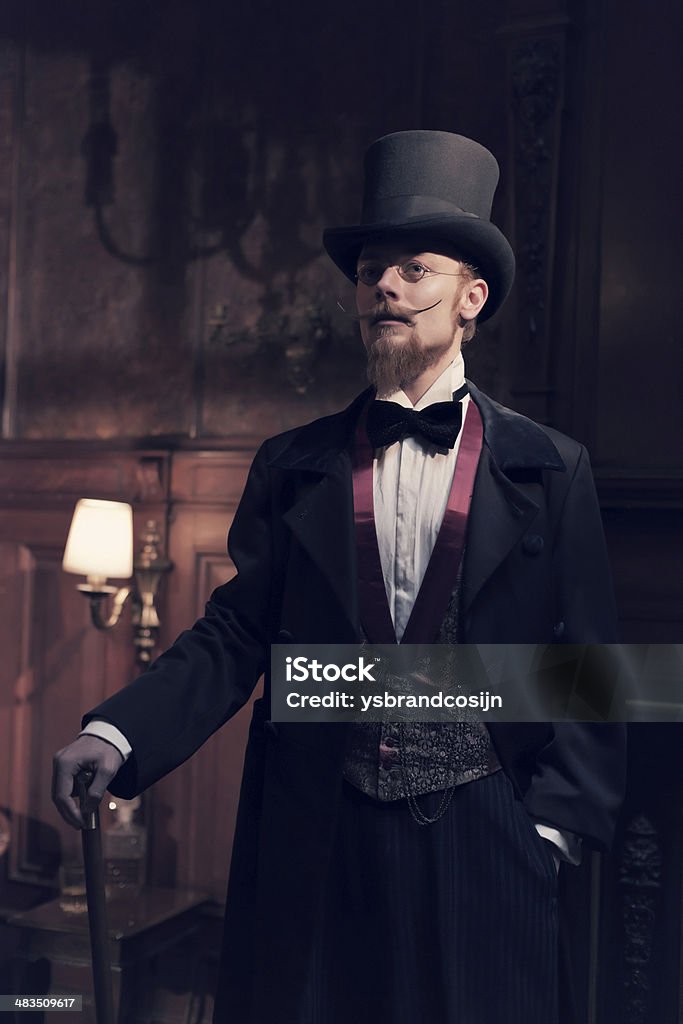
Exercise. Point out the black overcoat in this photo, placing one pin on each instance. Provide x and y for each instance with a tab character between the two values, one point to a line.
535	571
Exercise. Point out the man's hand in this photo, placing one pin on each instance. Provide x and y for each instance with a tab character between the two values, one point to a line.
85	752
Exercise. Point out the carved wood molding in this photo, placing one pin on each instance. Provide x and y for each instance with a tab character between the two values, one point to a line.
640	878
61	474
11	131
536	86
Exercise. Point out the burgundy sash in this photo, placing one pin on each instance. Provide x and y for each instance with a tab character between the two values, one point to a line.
439	580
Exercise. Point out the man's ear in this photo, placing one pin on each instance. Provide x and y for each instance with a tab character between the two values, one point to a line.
474	295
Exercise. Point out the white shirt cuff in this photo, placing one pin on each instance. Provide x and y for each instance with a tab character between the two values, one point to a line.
567	844
107	731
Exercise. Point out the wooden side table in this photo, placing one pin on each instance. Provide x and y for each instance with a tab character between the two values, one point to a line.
158	925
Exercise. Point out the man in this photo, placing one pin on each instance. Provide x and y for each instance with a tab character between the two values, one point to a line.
380	871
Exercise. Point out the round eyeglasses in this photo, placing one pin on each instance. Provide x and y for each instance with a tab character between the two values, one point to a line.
412	271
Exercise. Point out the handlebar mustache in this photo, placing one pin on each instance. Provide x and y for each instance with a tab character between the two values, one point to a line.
385	313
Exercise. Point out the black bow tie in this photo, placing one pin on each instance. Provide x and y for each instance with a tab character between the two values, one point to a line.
440	423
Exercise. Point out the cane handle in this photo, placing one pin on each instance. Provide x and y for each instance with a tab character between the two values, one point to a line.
80	790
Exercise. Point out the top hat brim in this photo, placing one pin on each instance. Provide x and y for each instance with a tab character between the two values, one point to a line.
476	241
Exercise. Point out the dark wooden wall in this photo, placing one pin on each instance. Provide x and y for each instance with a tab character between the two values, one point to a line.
59	666
165	173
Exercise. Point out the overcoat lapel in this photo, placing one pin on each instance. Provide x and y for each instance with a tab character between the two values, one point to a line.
320	522
321	517
501	511
500	515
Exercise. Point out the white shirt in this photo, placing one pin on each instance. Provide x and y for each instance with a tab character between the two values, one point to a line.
411	484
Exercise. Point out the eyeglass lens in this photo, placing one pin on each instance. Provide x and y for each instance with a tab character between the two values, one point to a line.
370	273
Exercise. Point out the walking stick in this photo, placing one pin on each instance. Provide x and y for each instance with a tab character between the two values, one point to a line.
97	907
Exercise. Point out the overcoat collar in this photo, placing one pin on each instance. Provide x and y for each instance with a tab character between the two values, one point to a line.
514	441
316	447
501	512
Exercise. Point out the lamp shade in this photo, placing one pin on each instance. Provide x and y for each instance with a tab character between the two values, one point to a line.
100	541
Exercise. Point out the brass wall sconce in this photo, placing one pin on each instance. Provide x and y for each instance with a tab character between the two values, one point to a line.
99	547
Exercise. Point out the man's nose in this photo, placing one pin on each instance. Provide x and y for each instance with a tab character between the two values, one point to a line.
389	283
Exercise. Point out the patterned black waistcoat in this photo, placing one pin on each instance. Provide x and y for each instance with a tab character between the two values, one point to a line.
389	761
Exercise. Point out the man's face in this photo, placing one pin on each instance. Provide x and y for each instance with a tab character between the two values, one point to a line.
408	325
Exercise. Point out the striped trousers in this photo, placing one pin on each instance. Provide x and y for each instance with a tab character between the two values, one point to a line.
449	923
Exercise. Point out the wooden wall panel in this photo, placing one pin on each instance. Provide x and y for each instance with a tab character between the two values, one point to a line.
55	665
15	568
640	230
93	322
169	277
11	106
647	556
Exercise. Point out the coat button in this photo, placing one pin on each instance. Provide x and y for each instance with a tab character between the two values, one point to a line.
558	630
272	729
532	544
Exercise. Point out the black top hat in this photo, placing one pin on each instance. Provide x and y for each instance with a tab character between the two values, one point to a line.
437	186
